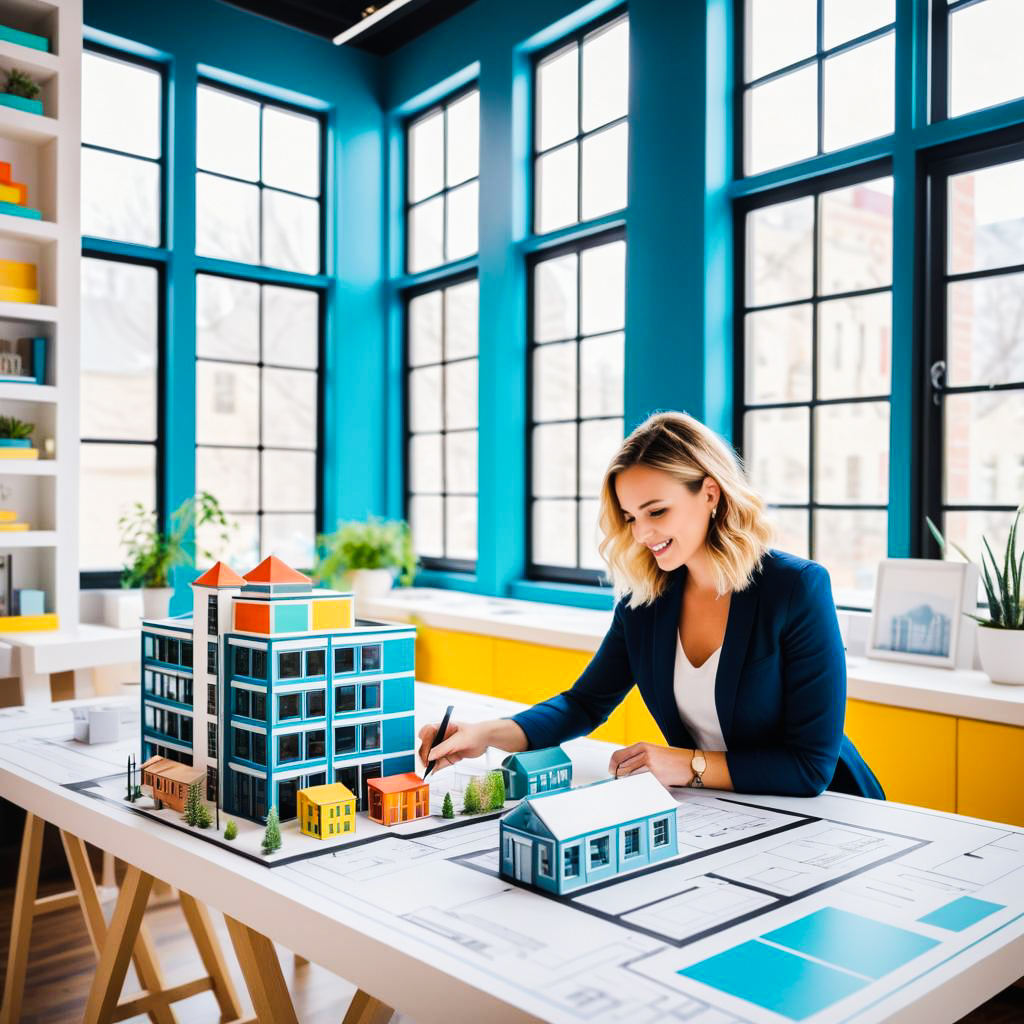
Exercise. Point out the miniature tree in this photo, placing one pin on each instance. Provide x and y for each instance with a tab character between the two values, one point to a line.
192	804
447	810
137	794
471	798
496	791
230	830
272	836
203	818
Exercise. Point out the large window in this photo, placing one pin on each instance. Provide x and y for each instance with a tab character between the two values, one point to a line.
815	359
442	420
813	87
581	129
576	403
257	414
442	190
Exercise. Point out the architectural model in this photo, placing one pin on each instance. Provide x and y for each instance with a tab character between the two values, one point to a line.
326	811
536	771
398	798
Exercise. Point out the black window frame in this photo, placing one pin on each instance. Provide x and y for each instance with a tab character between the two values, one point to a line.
348	690
290	655
290	738
340	656
296	696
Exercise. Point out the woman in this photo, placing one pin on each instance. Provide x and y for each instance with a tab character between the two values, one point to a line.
735	647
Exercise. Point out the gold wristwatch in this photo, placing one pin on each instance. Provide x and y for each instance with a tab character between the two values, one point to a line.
698	765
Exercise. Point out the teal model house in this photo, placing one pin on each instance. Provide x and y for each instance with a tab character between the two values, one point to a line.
562	841
536	771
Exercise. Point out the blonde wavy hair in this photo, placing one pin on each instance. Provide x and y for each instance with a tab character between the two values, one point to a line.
737	538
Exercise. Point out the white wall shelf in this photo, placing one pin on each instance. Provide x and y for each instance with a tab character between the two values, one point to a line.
42	66
27	392
27	229
28	539
26	127
28	467
28	312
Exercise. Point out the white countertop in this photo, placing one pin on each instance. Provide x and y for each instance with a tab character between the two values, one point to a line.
960	692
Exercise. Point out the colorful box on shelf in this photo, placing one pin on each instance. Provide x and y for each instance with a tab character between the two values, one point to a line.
8	99
16	210
18	282
23	361
29	39
14	195
29	603
28	623
14	449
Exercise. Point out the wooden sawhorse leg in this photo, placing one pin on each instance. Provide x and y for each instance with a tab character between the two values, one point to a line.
364	1009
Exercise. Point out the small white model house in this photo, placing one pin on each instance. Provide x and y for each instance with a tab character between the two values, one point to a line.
570	839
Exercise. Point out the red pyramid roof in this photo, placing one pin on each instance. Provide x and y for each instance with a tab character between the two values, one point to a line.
220	575
273	570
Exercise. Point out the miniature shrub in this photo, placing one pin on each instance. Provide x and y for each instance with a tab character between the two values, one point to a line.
496	791
272	836
447	810
203	819
471	798
231	830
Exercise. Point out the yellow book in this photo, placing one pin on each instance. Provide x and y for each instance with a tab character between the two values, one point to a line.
11	294
8	515
19	453
13	527
27	623
10	194
17	274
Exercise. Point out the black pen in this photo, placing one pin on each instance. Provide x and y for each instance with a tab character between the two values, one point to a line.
438	738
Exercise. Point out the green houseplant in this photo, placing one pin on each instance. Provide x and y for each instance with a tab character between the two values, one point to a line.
366	556
1001	636
151	553
21	92
15	433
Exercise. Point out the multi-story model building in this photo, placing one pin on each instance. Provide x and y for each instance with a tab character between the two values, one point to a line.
271	686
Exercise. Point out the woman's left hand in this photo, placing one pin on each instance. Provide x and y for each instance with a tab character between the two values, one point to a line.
669	765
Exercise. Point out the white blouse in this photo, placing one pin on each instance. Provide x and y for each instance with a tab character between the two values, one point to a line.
695	698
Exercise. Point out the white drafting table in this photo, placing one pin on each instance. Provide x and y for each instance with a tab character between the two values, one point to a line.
830	909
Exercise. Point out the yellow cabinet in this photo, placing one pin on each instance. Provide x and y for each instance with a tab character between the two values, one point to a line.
913	753
464	661
990	770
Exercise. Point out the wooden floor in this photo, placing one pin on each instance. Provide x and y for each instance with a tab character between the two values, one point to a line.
61	965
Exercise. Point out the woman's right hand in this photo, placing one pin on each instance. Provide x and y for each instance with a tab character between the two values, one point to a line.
461	739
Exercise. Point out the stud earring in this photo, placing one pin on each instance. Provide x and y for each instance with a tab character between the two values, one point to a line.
714	512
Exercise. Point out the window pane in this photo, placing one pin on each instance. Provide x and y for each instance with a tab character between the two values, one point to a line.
242	548
860	94
599	441
462	315
460	394
425	521
227	218
554	533
291	151
118	351
120	198
291	327
850	543
779	33
290	538
604	171
791	531
780	252
232	474
558	98
461	461
121	105
851	445
460	528
227	318
856	237
590	536
986	218
554	381
985	341
854	346
425	475
426	235
554	460
425	328
291	232
289	408
968	528
984	55
782	121
983	462
463	144
603	270
289	481
461	221
776	453
557	182
425	399
554	309
113	478
601	375
227	134
845	21
426	157
227	403
606	75
777	362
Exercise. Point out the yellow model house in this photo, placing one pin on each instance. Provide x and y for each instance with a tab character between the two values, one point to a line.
326	811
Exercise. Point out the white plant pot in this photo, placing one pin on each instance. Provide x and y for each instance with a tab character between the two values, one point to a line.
122	609
367	584
156	602
1002	654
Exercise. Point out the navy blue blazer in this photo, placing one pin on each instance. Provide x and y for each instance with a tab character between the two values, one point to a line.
780	688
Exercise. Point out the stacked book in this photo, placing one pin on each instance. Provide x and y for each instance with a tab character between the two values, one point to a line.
9	521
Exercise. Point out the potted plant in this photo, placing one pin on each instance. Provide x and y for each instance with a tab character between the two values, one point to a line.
21	92
1001	636
365	557
15	433
152	554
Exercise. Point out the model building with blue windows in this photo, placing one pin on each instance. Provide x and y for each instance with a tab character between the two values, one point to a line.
271	686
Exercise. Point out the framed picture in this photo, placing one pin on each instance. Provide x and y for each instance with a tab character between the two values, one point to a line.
919	612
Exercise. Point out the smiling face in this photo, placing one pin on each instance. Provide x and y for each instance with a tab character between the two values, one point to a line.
665	515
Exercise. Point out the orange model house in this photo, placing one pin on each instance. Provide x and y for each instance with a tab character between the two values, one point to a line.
170	781
398	798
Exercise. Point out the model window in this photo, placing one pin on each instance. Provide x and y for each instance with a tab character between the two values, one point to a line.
316	701
317	779
371	736
661	832
211	782
259	706
186	691
147	680
345	739
371	696
288	748
149	716
289	705
544	860
344	660
599	852
211	658
241	661
315	744
259	748
186	653
242	702
242	743
631	843
173	655
344	698
211	699
171	692
572	862
259	664
370	658
289	665
211	739
211	615
147	646
315	663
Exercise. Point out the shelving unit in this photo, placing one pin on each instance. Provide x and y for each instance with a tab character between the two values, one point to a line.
43	151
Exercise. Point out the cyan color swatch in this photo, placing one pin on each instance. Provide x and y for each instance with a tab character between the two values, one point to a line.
851	941
774	979
961	913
